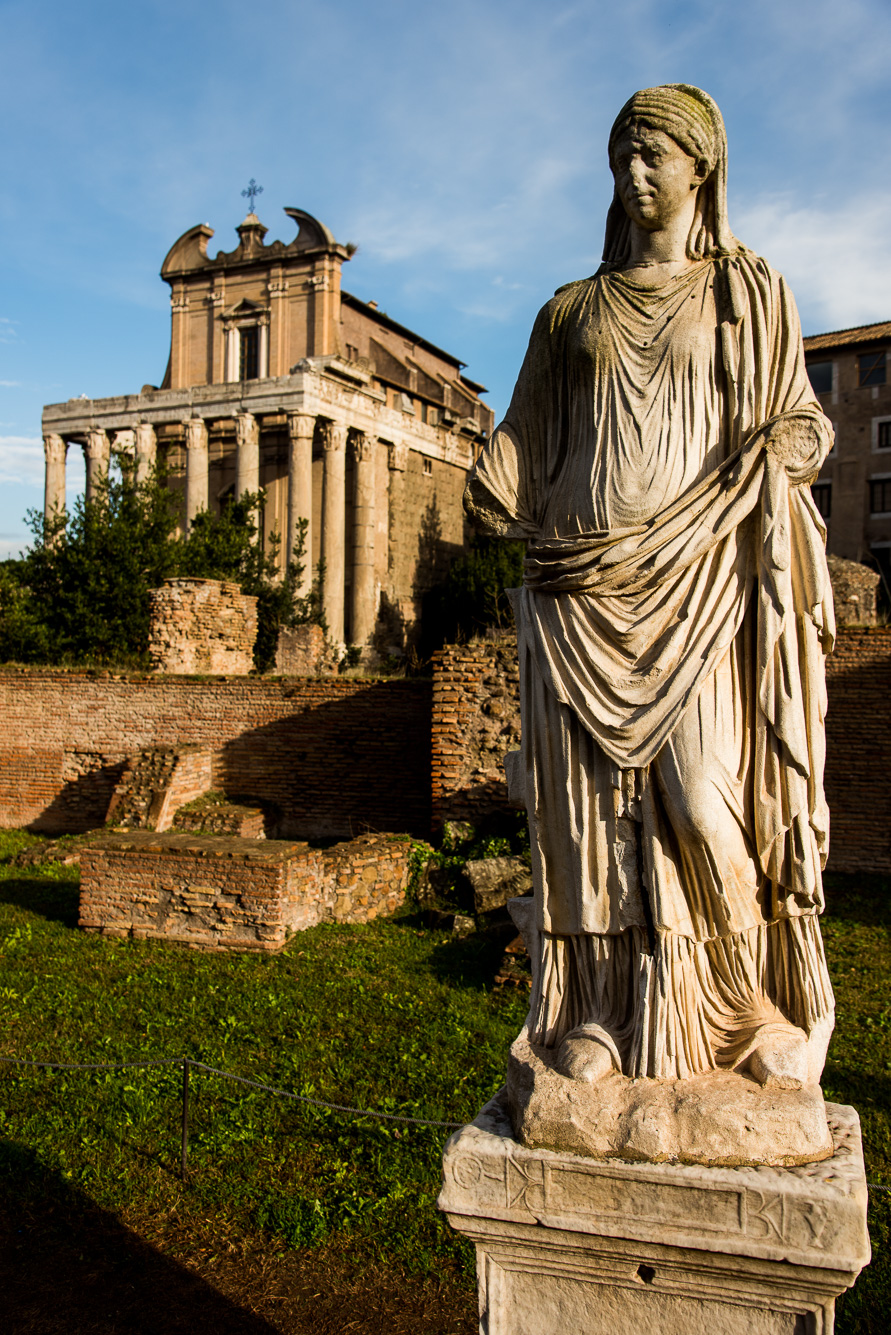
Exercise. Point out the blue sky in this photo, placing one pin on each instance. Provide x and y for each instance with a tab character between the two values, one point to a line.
460	144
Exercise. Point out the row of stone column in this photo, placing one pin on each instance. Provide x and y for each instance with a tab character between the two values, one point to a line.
302	428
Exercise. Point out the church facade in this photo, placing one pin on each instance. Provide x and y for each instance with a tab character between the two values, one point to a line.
279	379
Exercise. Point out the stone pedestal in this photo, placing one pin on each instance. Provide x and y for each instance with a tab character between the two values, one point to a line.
575	1246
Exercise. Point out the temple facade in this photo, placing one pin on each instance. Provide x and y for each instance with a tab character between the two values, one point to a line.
278	379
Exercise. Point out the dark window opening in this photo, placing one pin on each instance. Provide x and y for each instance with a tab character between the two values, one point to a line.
820	376
822	494
249	365
871	366
428	466
884	436
880	495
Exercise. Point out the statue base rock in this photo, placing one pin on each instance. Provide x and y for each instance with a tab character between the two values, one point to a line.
720	1118
567	1244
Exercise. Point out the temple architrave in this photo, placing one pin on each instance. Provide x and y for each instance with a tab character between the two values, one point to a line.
278	379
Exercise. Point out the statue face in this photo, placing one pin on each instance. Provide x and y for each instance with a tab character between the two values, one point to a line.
654	176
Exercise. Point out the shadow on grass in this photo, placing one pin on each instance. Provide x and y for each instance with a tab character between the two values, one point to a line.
863	1310
858	898
66	1265
57	901
472	961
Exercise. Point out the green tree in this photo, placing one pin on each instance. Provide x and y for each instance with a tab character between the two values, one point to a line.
472	596
80	594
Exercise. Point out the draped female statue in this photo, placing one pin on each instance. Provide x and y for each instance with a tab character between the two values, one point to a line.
672	628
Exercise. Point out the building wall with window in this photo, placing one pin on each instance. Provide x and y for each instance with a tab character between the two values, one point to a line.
278	379
849	371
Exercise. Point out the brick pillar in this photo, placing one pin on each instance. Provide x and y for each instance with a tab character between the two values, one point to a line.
96	455
363	609
247	454
55	450
301	429
146	451
333	521
196	468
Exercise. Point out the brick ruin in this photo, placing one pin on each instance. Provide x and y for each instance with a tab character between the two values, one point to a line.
309	759
225	894
475	722
202	626
476	714
854	591
334	755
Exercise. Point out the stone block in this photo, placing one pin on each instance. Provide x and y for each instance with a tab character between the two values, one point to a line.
566	1244
496	880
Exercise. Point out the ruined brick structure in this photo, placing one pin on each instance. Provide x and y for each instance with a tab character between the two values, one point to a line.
476	715
156	783
303	651
854	590
336	755
202	626
476	720
222	894
340	754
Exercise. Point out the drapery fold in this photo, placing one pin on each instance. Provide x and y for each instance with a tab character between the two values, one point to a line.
624	626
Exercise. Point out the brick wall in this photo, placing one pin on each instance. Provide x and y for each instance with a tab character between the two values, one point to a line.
156	783
858	750
476	720
334	754
202	625
223	894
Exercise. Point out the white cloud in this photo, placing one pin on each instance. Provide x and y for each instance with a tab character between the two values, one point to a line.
13	545
21	459
836	258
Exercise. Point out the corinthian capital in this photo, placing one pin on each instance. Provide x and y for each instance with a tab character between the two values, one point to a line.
335	437
55	449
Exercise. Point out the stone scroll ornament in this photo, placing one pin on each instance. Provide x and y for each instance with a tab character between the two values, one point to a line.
672	628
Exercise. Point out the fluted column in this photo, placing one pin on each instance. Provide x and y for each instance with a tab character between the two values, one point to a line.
247	454
146	451
55	450
396	519
363	611
196	468
96	455
333	520
301	429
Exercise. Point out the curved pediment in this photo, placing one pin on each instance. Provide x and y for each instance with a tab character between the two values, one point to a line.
189	252
311	233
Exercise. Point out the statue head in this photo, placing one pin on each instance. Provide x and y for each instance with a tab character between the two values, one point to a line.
678	116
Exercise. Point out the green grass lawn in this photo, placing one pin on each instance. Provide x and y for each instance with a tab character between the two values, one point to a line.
387	1016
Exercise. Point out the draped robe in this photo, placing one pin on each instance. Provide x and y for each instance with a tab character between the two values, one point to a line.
672	626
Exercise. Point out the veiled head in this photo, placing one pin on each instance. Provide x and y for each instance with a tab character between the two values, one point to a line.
691	119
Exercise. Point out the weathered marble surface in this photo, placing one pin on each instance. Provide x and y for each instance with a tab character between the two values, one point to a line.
566	1243
674	618
719	1118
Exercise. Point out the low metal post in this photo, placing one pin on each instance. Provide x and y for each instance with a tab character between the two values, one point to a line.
184	1155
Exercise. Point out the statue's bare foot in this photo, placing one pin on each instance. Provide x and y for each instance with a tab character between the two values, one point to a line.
587	1053
781	1060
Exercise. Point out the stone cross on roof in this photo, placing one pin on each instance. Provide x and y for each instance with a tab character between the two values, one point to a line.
251	193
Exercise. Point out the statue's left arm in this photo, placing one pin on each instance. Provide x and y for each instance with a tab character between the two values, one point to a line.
793	426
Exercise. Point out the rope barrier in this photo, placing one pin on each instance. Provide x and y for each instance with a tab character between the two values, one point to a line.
188	1062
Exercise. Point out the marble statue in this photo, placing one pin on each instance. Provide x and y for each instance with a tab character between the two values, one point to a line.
672	629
